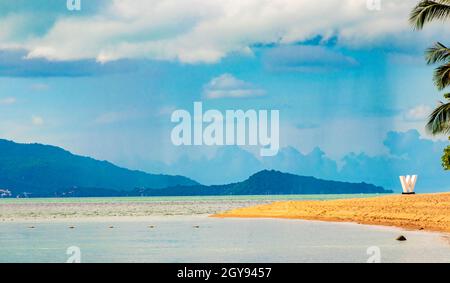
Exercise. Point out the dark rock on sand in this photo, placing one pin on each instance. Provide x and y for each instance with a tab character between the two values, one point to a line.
401	238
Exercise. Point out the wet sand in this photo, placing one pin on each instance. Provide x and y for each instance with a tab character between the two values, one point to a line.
429	212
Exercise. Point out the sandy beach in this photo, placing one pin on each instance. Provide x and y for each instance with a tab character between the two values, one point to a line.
429	212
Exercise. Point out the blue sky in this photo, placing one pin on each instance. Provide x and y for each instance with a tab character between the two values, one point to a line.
350	83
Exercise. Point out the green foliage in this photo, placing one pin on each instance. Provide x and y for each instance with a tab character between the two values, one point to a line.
437	53
446	158
441	76
427	11
439	120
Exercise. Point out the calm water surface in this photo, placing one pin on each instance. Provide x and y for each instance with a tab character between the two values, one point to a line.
193	198
203	239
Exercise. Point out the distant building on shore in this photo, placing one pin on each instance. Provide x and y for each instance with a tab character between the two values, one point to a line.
5	193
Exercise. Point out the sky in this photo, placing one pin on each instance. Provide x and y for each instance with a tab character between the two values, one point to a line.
350	82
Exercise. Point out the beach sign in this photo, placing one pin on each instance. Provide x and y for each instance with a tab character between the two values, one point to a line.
408	184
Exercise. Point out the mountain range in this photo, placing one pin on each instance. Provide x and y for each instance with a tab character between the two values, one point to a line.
36	170
271	182
42	170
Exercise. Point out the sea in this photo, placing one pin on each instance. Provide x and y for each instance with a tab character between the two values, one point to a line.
199	238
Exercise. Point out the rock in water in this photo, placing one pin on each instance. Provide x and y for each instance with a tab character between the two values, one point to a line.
401	238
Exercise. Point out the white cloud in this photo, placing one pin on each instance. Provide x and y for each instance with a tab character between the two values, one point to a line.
37	121
193	31
7	100
227	85
418	113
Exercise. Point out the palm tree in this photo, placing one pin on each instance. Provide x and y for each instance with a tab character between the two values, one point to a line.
429	10
439	53
439	121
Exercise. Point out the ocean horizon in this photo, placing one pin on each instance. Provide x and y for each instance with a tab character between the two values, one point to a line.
193	198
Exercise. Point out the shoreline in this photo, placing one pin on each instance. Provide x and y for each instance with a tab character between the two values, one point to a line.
426	212
104	219
92	209
73	208
155	219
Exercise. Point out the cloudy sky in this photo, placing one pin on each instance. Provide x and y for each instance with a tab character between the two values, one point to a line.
350	83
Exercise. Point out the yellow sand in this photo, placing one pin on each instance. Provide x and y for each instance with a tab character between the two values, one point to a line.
422	212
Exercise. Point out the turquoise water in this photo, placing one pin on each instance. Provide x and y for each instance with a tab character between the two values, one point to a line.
202	239
194	198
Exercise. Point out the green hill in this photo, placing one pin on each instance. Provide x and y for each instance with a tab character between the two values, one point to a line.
272	183
35	170
42	170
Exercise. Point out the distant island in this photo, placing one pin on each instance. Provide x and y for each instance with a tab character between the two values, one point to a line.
35	170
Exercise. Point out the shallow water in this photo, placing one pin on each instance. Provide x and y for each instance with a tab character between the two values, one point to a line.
14	209
187	198
178	239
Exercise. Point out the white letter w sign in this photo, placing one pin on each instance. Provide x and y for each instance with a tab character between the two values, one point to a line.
408	184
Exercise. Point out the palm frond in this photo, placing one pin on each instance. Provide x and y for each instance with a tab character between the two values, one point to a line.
437	53
439	120
441	76
427	11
